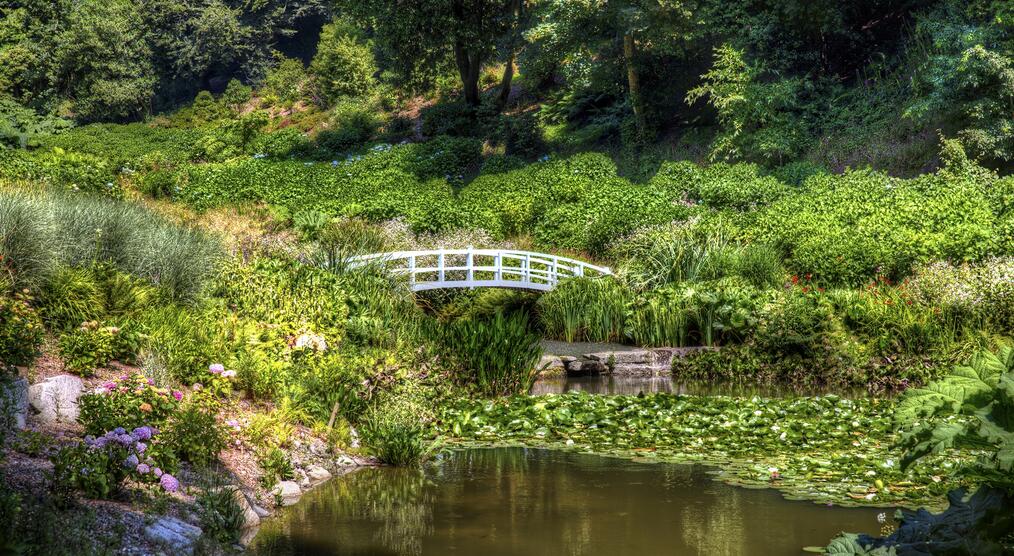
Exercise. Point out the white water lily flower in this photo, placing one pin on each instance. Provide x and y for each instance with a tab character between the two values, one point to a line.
772	469
871	496
758	413
889	463
782	436
870	473
775	428
570	442
881	517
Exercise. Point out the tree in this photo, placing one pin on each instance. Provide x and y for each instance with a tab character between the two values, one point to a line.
343	65
422	32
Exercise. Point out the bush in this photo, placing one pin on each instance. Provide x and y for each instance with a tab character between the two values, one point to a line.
71	297
21	332
97	466
352	125
282	143
284	83
128	402
457	119
721	186
276	467
343	65
181	340
87	349
194	434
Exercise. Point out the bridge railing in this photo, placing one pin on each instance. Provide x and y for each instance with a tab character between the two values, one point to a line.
478	268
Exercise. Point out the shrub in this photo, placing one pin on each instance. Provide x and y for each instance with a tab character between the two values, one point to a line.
97	466
497	355
343	65
181	339
236	94
128	402
284	83
87	349
585	309
352	125
194	433
679	252
21	332
282	143
457	118
721	186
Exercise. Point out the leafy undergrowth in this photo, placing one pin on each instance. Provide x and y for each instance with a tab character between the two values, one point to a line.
826	449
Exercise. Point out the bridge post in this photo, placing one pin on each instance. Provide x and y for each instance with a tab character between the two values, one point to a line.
411	270
440	265
469	264
526	274
499	266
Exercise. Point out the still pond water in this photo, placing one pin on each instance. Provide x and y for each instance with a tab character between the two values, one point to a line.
521	501
633	385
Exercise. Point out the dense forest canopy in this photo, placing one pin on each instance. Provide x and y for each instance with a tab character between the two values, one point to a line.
845	84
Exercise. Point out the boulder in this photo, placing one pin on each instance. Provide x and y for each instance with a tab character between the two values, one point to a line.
250	517
550	362
176	535
55	399
287	492
261	512
14	398
316	474
584	368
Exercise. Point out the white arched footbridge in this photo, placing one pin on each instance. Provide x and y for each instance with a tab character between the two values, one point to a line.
480	268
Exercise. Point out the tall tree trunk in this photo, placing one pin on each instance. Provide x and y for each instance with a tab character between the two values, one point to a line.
515	7
633	81
468	69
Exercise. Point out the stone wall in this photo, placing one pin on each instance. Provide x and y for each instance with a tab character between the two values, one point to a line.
635	362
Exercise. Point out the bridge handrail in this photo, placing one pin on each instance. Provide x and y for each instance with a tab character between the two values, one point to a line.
529	275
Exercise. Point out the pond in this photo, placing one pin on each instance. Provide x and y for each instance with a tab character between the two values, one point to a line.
509	501
633	385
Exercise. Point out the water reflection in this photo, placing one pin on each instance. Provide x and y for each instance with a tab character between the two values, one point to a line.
633	385
528	501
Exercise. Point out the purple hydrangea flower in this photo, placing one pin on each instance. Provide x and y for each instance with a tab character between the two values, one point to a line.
140	447
178	395
131	461
143	468
157	472
119	430
216	368
126	439
142	433
169	482
100	442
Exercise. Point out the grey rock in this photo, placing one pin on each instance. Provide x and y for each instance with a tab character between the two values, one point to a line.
345	461
582	368
549	362
261	512
55	399
634	357
14	399
317	474
567	359
288	492
250	517
176	535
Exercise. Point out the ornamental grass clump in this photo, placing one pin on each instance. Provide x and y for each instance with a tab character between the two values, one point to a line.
498	356
584	309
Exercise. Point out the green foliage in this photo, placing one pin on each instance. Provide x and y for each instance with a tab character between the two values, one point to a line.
498	355
236	94
585	309
20	126
21	332
720	186
221	516
352	125
756	116
457	119
97	466
128	402
823	448
285	82
87	349
981	394
181	340
71	297
343	65
194	433
847	229
276	467
396	436
78	230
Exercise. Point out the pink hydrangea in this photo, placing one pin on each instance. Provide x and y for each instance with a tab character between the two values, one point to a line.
216	368
177	395
228	374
